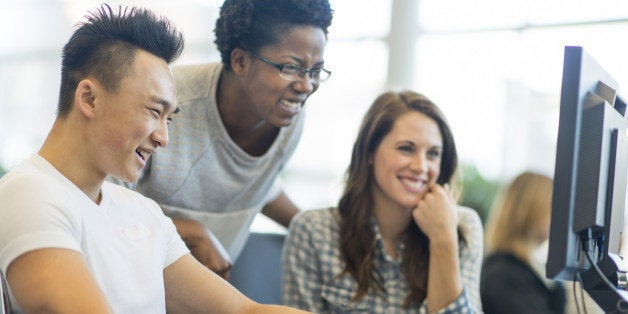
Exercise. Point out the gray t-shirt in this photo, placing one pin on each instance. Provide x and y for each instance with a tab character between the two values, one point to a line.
203	174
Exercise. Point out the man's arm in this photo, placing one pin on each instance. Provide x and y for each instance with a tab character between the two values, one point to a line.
191	288
55	281
281	210
204	246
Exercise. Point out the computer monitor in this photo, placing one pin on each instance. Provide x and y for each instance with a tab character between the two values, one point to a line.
590	182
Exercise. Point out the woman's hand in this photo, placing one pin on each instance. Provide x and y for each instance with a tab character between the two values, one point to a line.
436	214
204	246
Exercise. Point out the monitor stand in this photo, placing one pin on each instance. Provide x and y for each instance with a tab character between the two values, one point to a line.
611	300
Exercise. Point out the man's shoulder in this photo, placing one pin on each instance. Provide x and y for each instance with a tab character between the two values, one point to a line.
28	178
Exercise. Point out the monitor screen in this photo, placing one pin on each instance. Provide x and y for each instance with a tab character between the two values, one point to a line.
590	175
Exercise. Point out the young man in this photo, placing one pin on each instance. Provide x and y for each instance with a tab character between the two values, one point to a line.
71	242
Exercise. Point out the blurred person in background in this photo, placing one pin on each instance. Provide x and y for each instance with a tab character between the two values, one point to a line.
513	280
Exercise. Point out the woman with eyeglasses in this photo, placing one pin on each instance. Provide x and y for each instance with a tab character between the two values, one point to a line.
397	242
239	122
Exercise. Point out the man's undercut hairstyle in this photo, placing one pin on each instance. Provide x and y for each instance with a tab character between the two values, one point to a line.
104	47
253	24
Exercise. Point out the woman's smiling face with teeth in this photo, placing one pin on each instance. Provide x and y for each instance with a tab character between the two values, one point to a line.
275	99
407	161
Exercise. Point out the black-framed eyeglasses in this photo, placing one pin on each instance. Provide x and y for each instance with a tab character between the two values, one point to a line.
292	72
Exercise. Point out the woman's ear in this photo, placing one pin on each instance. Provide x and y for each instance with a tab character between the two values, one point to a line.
85	98
240	61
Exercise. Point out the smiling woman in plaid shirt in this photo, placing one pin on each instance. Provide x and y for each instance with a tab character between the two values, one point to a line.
398	242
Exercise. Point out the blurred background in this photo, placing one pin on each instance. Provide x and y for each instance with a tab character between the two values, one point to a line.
493	66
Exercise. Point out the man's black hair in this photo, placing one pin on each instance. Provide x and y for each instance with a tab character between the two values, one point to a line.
106	44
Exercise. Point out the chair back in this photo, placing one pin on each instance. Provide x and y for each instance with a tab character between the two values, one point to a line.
258	272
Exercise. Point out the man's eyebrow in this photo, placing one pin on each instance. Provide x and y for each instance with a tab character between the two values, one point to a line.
166	104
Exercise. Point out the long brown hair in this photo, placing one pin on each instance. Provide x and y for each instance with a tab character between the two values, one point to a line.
357	240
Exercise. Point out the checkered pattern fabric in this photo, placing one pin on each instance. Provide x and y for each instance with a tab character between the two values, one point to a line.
312	264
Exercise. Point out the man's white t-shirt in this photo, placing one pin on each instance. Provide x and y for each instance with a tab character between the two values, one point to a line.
125	240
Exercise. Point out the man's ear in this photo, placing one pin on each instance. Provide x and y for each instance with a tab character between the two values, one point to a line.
85	98
240	61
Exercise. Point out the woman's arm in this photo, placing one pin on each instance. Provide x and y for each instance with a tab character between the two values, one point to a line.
204	246
281	210
444	284
436	215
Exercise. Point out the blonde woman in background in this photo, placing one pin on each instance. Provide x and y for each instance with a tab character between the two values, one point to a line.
513	280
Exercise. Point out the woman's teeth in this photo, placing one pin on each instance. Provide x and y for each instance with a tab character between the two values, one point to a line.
292	105
415	185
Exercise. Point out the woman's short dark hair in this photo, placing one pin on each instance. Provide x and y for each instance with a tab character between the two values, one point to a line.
252	24
105	46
